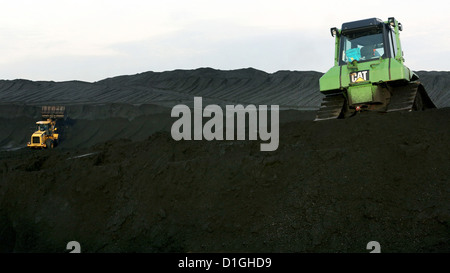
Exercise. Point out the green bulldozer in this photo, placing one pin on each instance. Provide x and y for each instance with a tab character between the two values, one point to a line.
369	72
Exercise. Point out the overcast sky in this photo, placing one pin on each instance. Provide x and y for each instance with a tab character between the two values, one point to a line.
90	40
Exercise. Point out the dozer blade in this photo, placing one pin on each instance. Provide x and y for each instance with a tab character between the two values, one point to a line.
410	97
330	107
53	111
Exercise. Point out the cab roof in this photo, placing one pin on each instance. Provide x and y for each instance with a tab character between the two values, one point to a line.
361	24
43	122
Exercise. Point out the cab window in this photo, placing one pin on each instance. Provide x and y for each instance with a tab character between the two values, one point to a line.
362	46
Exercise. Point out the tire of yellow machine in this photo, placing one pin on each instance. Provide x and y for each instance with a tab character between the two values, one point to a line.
49	144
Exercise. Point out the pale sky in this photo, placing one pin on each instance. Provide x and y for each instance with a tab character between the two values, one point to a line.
90	40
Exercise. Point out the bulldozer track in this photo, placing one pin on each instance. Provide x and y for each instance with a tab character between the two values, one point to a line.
409	97
330	107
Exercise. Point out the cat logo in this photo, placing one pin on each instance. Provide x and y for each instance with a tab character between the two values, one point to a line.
360	76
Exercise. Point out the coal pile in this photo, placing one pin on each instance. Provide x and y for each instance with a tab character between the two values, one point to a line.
119	182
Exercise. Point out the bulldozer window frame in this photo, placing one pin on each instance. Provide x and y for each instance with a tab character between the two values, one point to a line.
392	42
346	42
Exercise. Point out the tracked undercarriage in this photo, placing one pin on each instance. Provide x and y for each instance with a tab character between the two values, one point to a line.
409	97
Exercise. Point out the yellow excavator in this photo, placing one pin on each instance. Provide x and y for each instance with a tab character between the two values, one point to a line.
45	136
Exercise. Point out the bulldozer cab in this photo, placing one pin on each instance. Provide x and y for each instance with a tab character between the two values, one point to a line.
362	46
373	41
